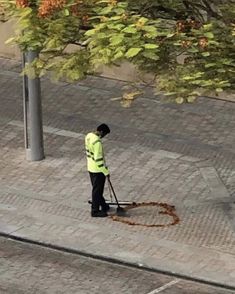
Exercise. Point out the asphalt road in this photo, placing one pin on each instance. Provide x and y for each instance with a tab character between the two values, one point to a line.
29	269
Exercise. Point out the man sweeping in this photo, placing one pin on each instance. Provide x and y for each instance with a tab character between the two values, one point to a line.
97	169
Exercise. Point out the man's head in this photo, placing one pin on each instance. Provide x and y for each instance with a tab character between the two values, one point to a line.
103	130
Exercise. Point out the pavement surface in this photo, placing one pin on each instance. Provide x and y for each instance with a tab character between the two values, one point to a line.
157	151
30	269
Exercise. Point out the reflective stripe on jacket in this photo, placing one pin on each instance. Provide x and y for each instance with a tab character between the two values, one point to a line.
95	154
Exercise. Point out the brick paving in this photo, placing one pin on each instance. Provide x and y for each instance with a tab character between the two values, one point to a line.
30	269
182	155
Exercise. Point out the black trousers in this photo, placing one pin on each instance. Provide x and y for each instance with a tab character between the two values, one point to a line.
98	182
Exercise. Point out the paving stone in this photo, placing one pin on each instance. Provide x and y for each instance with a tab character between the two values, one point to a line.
182	155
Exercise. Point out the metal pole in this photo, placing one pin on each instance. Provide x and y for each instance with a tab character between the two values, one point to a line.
25	105
35	115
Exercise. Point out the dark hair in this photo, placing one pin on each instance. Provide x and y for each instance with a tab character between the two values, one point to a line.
104	128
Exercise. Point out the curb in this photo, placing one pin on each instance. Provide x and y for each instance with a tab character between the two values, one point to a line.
116	261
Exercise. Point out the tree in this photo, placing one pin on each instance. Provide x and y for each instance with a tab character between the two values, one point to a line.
187	44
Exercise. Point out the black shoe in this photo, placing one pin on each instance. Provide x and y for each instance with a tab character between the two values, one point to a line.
99	213
106	208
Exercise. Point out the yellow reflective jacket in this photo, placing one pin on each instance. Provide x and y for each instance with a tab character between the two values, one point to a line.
95	154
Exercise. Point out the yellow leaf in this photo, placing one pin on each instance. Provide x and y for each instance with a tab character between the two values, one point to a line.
191	99
179	100
126	103
11	40
116	98
131	95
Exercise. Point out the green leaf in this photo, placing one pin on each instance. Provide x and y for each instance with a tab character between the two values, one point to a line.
94	17
26	12
106	10
193	50
103	1
208	26
205	54
51	44
66	12
30	71
198	74
150	46
121	4
151	31
100	26
132	52
197	82
221	70
188	78
119	11
227	61
130	30
91	32
143	20
25	24
219	90
178	43
118	55
208	65
209	35
116	17
35	44
212	42
102	36
117	27
116	39
151	55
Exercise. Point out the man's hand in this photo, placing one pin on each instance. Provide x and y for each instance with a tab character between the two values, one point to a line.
108	176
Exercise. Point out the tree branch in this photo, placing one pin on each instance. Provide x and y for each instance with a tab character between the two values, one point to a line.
210	11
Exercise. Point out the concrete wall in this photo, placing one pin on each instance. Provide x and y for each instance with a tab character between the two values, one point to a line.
6	31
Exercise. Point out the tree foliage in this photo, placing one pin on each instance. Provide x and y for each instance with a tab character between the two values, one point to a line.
187	44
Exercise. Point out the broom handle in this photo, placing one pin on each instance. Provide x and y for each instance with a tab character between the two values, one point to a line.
110	193
111	186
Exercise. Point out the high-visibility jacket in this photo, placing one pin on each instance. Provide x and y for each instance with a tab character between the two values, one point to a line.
95	154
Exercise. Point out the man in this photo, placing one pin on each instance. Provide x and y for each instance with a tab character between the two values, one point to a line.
97	169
